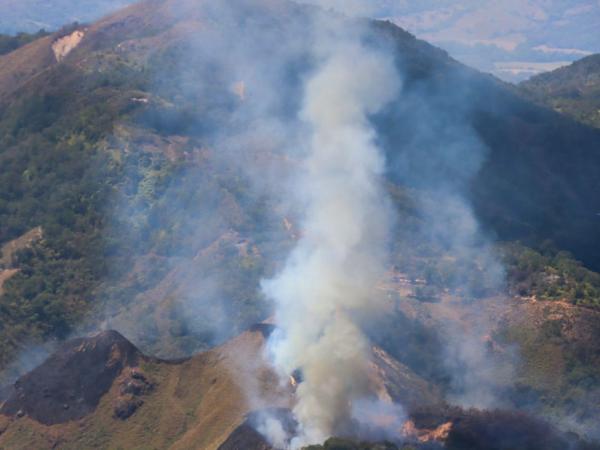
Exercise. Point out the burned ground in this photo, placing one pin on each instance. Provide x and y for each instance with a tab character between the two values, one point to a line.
70	384
246	436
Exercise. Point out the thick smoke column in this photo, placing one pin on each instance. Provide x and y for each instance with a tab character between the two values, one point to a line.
329	278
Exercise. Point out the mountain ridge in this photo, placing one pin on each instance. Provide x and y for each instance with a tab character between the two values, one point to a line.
121	385
208	392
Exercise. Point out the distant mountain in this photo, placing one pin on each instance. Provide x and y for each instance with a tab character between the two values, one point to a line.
513	39
33	15
573	90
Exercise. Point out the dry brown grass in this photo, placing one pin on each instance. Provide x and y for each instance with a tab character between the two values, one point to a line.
196	405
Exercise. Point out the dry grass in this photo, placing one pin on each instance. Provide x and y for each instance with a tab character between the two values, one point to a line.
196	405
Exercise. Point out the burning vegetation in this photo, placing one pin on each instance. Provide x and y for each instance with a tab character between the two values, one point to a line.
349	125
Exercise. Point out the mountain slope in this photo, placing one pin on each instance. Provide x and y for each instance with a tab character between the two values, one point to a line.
101	392
151	222
573	90
192	403
507	38
10	43
196	400
517	133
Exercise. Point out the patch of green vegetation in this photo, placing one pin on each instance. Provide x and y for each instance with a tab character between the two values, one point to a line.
105	201
55	175
558	370
550	275
573	90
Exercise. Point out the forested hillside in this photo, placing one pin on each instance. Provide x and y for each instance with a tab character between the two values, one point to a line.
573	90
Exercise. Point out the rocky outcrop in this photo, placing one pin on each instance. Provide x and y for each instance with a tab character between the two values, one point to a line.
66	44
132	388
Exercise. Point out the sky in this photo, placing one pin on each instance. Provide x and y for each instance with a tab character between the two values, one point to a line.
513	39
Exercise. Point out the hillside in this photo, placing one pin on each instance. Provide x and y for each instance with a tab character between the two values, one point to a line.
195	400
573	90
152	165
101	392
124	112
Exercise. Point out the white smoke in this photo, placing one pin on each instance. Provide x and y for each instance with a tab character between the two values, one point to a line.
273	428
329	278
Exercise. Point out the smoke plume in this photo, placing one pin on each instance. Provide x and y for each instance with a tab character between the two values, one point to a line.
329	277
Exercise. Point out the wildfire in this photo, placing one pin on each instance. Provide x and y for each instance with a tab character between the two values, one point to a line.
440	434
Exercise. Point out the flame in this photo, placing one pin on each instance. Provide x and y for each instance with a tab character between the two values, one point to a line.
439	434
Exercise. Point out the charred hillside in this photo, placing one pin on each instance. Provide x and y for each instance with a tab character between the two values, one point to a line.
71	382
101	392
